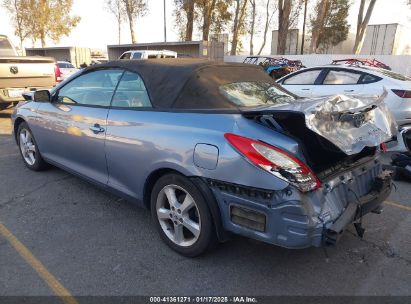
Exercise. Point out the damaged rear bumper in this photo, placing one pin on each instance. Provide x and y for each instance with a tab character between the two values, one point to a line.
381	189
291	219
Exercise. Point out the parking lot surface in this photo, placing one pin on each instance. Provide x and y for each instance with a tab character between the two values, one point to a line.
94	243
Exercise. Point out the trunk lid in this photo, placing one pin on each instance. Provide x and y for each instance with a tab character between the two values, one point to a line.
351	123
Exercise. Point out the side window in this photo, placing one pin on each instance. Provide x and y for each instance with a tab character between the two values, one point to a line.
368	78
152	56
125	56
94	88
137	55
70	66
131	92
307	77
341	77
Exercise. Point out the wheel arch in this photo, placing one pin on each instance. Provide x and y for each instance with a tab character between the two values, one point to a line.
18	121
201	185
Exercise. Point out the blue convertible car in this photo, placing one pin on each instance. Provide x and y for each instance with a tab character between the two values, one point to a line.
214	149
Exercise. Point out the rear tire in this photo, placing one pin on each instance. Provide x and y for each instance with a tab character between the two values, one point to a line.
29	150
181	215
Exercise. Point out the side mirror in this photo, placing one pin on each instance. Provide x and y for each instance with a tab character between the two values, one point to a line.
42	96
28	96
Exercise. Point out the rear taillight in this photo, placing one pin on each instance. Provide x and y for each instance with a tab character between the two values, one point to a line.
402	93
276	161
57	73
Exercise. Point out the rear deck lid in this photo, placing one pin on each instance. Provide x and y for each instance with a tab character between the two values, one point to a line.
349	122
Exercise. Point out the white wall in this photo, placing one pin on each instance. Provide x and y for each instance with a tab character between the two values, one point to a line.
398	63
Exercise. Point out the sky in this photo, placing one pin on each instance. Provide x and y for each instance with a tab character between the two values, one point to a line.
98	28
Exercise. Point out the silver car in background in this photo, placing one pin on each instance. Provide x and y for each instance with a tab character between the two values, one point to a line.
214	149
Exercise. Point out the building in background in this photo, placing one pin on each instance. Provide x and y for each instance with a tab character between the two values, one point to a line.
221	38
75	55
380	39
293	44
387	39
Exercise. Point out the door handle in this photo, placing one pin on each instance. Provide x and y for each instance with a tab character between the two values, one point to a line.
305	89
348	90
97	129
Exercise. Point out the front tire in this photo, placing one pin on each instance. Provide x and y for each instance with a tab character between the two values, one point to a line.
182	216
29	150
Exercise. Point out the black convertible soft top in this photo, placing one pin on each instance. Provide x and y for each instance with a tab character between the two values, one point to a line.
184	83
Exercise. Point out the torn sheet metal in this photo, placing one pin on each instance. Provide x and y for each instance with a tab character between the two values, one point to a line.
351	122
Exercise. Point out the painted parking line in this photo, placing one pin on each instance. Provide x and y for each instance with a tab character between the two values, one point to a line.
41	270
394	204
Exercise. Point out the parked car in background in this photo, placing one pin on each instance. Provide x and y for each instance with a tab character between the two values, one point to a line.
66	69
276	67
21	74
148	54
213	149
354	80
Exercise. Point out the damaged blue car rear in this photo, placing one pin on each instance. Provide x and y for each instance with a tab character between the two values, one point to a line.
214	149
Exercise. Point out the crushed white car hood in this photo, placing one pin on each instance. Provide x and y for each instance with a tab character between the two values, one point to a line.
349	122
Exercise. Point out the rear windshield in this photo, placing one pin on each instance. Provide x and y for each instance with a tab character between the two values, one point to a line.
253	93
394	75
388	73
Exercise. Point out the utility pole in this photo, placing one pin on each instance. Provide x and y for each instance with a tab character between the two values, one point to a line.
305	19
165	24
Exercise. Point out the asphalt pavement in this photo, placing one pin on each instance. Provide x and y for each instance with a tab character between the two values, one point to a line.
94	243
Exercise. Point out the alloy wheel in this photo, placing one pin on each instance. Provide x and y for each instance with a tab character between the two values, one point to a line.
27	147
178	215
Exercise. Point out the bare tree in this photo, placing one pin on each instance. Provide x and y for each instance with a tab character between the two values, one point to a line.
269	14
116	7
362	23
238	25
134	9
284	11
253	16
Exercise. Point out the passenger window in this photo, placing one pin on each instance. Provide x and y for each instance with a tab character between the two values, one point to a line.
94	88
152	56
137	56
370	78
131	92
307	77
341	77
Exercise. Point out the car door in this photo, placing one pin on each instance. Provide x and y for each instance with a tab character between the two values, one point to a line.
339	81
71	129
302	83
128	141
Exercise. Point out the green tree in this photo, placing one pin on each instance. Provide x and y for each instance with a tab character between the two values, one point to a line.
51	19
213	16
134	9
329	26
184	13
19	11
